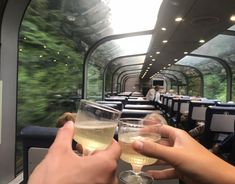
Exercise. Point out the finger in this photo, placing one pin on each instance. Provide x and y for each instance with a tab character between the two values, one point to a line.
155	150
167	131
64	136
161	162
165	142
163	174
113	150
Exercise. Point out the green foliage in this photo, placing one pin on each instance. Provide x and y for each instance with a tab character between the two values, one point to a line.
49	72
215	87
49	65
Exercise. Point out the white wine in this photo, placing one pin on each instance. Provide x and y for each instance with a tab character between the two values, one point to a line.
131	156
94	135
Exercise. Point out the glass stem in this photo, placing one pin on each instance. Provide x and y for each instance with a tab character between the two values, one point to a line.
136	168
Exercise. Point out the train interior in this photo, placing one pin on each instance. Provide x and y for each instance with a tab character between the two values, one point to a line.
53	53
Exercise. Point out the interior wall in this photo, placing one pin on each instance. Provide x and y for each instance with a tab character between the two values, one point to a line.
9	55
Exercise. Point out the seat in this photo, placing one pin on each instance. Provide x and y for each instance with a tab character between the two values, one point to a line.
179	106
36	141
134	113
138	102
140	107
35	136
197	112
219	123
117	103
117	98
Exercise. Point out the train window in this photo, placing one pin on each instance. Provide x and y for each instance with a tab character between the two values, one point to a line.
222	46
232	28
50	67
214	75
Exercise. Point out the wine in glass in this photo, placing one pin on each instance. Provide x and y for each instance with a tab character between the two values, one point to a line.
131	129
95	126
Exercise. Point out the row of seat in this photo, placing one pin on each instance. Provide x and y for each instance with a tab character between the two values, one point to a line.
135	107
219	118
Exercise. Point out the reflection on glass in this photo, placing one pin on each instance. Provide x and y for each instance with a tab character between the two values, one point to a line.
222	46
120	47
232	28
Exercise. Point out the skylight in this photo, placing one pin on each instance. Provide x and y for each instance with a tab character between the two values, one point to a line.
132	15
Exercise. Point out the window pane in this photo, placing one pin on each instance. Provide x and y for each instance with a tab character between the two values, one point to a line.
222	46
50	69
215	86
232	28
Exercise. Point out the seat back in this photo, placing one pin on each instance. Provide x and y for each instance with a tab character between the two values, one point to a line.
35	156
219	122
197	112
35	136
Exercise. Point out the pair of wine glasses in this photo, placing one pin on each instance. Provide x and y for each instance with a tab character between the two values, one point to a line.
95	126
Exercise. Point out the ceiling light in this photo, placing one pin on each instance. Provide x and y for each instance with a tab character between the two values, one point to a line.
163	29
150	56
232	18
164	68
169	65
178	19
157	52
150	64
148	68
175	59
153	59
201	41
164	41
185	52
71	18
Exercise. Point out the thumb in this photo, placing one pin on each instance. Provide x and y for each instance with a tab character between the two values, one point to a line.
64	136
155	150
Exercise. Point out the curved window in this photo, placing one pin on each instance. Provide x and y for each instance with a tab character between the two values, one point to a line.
222	46
50	68
215	77
194	80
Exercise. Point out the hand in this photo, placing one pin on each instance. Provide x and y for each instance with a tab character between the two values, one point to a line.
62	165
191	162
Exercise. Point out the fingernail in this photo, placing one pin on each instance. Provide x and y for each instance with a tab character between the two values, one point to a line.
139	145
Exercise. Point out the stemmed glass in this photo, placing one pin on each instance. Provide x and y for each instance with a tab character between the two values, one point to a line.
131	129
95	125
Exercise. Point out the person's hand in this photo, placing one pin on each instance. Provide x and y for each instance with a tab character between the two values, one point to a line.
62	165
191	162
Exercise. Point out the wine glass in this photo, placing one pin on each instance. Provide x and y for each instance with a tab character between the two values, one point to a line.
95	126
131	129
